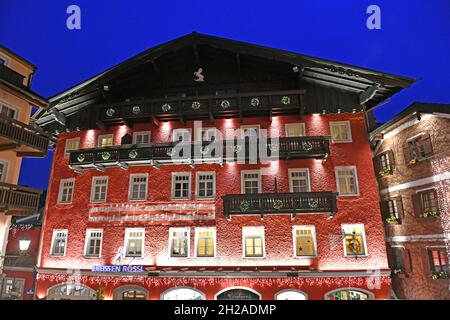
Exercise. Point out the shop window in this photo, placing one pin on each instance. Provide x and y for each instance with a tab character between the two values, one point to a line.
205	239
179	242
304	240
253	239
354	240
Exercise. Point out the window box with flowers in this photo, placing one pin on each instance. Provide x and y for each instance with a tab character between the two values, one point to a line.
384	172
418	158
392	220
429	214
436	275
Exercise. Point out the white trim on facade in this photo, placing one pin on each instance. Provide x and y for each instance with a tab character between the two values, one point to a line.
417	183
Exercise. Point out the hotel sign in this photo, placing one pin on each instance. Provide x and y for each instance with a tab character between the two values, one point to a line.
119	269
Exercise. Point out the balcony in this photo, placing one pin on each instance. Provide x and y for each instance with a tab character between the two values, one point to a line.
279	203
269	103
11	76
243	151
26	140
17	200
18	260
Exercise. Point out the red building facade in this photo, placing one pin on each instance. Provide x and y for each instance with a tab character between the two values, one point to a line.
125	221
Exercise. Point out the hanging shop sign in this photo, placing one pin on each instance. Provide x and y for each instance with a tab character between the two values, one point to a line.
119	269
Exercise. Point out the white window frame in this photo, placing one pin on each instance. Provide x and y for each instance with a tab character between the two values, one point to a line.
4	177
197	184
253	231
6	58
135	134
127	237
355	171
61	182
86	243
67	151
55	232
16	110
100	137
293	170
175	132
130	186
350	226
349	128
197	231
176	174
296	124
249	126
180	229
94	179
243	172
294	240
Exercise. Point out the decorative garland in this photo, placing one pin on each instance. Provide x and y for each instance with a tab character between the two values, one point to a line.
110	112
225	104
285	100
136	110
166	107
133	154
278	204
254	102
81	157
245	205
106	155
195	105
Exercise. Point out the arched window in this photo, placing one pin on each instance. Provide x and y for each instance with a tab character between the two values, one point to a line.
238	293
70	291
291	294
130	293
182	293
349	294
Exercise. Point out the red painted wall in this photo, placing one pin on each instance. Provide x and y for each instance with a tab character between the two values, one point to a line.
278	229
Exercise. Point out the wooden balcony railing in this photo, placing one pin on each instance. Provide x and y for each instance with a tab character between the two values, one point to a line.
210	106
11	76
207	151
26	140
18	200
280	203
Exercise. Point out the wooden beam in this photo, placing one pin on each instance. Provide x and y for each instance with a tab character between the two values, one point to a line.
8	146
31	154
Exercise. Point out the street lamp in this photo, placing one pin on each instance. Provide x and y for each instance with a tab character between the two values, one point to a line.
24	244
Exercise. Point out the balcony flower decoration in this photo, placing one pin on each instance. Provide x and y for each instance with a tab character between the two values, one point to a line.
106	155
430	214
278	204
439	275
166	107
133	154
245	205
392	219
254	102
196	105
110	112
385	171
81	158
286	100
416	159
225	104
306	145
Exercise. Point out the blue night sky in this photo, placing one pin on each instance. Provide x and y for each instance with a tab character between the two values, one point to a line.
414	40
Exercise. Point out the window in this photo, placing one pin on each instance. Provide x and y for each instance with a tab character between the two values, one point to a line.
354	240
179	242
93	246
181	186
347	181
3	170
205	242
181	135
206	185
134	243
253	240
418	148
59	241
295	129
66	188
138	187
2	61
141	137
99	189
250	131
250	182
71	144
438	259
8	112
392	208
105	140
304	241
299	180
428	203
12	289
348	294
398	260
385	163
340	131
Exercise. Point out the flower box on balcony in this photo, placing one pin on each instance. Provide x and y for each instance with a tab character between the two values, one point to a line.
430	214
435	275
417	159
384	172
392	220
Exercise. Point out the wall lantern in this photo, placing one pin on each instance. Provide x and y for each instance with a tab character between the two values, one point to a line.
24	244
